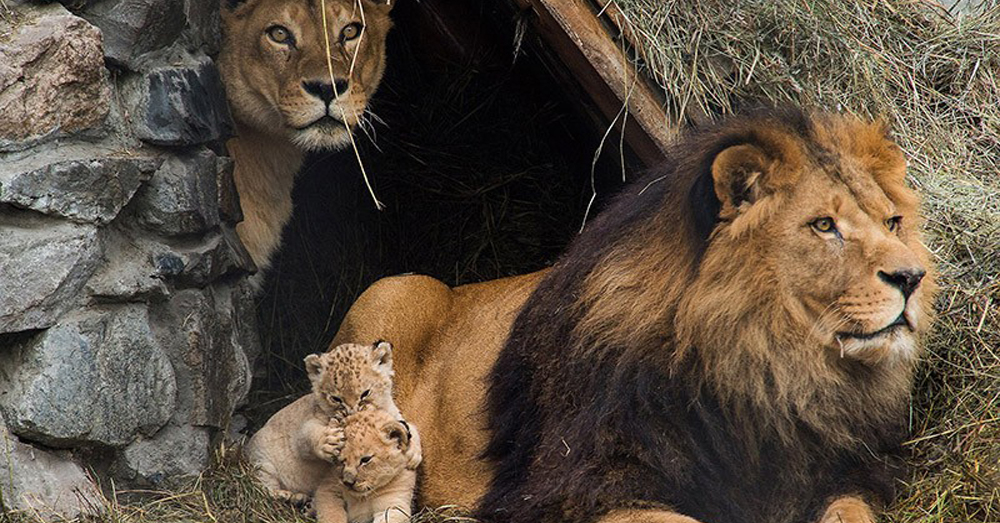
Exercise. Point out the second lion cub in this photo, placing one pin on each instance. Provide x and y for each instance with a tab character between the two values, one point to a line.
373	482
300	444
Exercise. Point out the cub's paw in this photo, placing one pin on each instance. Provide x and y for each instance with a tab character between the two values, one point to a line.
331	443
296	498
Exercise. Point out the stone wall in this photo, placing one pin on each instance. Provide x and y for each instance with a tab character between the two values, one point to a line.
126	321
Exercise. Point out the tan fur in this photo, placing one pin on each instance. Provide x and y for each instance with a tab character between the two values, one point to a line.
271	107
447	339
296	447
379	490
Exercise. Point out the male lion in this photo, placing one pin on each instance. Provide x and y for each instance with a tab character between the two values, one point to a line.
285	100
732	341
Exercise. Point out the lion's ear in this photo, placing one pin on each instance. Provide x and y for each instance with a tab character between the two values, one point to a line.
385	5
314	366
382	353
738	172
398	431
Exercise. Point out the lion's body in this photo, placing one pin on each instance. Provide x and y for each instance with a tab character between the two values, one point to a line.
445	343
382	487
285	100
732	340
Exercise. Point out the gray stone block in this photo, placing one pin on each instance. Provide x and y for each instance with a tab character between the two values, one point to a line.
213	374
100	378
81	183
182	196
43	266
203	25
175	451
52	77
44	483
180	105
133	28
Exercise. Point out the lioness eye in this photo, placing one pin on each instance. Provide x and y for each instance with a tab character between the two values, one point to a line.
365	394
824	224
893	223
280	34
350	32
365	459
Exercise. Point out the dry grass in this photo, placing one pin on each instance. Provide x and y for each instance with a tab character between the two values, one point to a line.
937	79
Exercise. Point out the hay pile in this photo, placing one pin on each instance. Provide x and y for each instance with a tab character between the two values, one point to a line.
936	78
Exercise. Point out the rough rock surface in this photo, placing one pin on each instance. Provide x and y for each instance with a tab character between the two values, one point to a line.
81	184
133	28
43	266
174	451
180	105
100	379
182	197
52	78
43	483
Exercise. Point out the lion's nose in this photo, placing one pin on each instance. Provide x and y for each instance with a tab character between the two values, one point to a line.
905	280
325	90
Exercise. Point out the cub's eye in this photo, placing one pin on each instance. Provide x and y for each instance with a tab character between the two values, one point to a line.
334	399
280	34
365	459
350	31
823	224
365	394
893	223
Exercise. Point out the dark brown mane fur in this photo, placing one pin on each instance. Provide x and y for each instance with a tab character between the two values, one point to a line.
612	392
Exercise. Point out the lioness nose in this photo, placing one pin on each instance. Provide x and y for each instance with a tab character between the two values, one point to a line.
905	280
324	90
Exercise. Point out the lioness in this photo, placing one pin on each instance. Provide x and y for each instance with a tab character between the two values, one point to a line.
285	99
732	341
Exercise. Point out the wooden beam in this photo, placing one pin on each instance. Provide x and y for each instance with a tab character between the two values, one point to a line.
571	28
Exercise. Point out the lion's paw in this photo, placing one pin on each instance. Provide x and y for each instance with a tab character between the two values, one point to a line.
331	443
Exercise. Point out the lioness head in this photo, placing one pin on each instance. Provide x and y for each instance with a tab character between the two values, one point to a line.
352	377
374	450
817	226
282	81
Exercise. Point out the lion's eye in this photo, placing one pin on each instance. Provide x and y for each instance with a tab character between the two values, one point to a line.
824	224
893	223
365	394
280	34
365	459
334	399
350	32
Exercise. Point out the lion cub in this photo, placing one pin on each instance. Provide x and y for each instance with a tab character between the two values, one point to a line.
373	482
299	444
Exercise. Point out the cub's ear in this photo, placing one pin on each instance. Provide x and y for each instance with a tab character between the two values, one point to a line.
398	431
382	353
314	365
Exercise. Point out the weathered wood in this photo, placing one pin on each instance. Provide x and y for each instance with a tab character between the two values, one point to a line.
603	69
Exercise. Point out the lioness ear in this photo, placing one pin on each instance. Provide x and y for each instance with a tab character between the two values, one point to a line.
382	353
385	5
399	431
737	172
314	366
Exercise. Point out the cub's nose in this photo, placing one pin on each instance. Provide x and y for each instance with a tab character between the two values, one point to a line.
324	90
350	482
906	280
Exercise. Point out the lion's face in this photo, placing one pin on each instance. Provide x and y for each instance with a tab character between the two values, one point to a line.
374	450
351	377
278	72
832	234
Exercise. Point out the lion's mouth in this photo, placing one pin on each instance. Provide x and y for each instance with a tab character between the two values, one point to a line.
900	322
325	122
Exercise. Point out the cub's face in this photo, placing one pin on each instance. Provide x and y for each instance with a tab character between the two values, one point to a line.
281	81
834	235
350	378
374	450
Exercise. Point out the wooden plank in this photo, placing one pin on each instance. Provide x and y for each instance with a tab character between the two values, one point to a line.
605	72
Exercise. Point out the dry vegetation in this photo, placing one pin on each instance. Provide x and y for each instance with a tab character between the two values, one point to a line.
937	79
